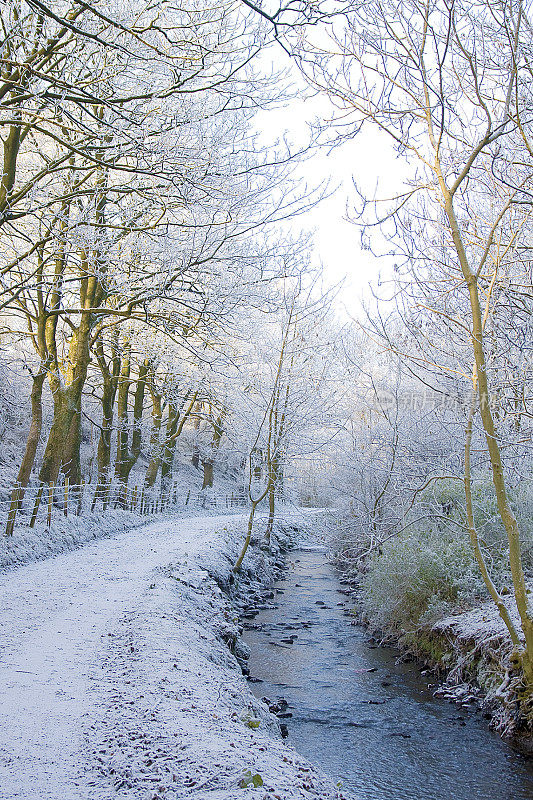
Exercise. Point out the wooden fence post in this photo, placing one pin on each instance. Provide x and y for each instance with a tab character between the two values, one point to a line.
36	506
65	501
14	507
50	504
80	498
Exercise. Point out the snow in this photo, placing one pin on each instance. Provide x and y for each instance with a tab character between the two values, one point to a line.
481	623
68	533
34	544
116	681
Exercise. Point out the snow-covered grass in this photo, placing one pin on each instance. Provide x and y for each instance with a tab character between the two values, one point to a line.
481	623
118	682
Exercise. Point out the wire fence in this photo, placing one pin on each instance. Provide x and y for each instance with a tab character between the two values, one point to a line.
42	504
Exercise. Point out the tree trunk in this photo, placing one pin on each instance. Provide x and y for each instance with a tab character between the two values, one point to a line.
53	454
32	443
122	414
507	516
64	438
255	503
472	531
138	408
169	448
238	563
271	510
110	376
195	459
11	151
155	442
208	473
71	454
275	482
126	458
208	463
175	426
103	453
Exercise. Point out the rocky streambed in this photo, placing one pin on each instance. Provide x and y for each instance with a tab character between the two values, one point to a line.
374	723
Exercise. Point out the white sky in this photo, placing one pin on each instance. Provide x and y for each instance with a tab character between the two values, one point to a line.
369	159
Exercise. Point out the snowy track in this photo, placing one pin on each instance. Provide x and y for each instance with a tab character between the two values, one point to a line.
114	683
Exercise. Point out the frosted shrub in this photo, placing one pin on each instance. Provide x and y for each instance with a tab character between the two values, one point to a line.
415	579
447	498
427	570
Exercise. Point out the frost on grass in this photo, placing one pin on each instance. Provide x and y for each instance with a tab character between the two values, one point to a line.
480	623
34	544
68	533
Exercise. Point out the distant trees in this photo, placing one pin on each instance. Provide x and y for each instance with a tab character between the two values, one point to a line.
288	399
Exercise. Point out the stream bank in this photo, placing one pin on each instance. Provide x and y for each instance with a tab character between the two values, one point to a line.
185	724
474	651
471	655
366	719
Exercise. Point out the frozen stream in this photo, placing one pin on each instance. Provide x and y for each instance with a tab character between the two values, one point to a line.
380	732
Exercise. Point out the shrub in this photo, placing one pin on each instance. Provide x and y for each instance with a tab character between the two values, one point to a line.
428	570
417	578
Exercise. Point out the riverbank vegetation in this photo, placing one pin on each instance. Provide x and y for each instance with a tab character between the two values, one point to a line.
445	495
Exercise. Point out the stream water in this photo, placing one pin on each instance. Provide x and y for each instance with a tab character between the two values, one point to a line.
361	717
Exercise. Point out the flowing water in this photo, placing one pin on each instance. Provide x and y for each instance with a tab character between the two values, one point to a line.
361	717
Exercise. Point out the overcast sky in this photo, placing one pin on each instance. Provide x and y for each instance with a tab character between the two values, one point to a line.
369	159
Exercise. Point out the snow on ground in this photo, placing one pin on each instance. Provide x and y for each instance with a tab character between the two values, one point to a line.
116	682
33	544
481	623
68	533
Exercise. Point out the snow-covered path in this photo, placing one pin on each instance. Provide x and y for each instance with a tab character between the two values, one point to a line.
58	621
52	618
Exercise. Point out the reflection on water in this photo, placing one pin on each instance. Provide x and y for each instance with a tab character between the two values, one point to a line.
380	732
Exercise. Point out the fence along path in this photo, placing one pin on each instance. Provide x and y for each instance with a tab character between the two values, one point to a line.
38	505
